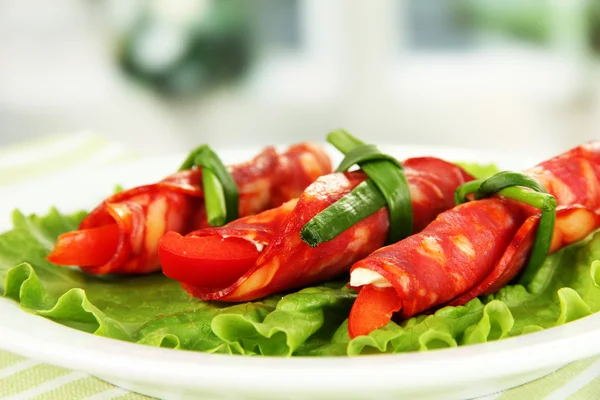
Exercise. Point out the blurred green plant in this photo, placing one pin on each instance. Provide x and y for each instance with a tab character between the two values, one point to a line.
529	21
182	49
533	21
592	12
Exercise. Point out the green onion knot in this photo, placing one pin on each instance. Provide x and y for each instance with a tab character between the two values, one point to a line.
523	188
387	185
221	196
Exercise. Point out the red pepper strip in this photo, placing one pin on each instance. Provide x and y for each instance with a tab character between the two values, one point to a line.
214	258
144	214
372	309
209	261
86	247
573	223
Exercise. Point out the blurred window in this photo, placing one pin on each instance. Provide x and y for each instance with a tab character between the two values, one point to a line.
278	24
434	25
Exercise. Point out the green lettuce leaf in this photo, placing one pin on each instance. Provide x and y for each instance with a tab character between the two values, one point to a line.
154	310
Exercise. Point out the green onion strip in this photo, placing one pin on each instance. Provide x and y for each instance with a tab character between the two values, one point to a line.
523	188
386	185
361	202
221	196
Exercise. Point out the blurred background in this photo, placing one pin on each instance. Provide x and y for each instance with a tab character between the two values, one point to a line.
165	75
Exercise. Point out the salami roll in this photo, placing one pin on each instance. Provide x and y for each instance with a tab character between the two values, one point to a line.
474	248
287	262
121	235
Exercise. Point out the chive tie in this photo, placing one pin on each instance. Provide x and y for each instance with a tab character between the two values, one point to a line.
387	185
221	196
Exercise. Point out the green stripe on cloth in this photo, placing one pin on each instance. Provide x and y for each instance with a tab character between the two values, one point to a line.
76	390
36	374
28	378
133	396
543	387
7	359
590	391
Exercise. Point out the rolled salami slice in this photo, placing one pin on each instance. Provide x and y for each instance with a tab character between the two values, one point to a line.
287	262
475	248
121	235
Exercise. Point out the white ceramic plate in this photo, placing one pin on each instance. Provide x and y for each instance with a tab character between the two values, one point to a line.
452	373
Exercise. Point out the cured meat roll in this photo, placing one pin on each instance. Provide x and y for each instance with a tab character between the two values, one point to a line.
474	248
121	235
280	259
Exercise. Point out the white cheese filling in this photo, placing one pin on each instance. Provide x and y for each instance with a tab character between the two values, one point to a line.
363	276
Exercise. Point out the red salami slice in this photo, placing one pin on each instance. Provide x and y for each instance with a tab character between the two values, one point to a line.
478	247
573	223
287	262
143	214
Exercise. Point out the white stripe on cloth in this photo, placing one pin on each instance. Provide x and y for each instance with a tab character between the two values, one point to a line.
18	367
578	382
108	394
47	386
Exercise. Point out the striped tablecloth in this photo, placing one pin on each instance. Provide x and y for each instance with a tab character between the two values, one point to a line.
22	378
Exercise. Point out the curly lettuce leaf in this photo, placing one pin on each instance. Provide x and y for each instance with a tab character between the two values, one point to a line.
299	323
154	310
